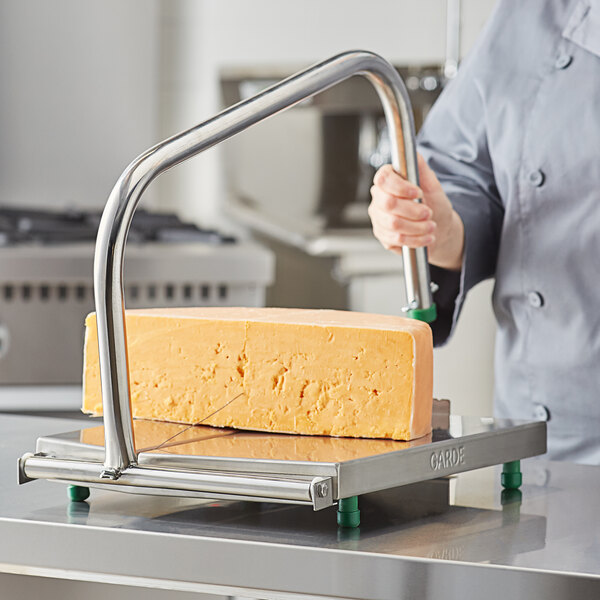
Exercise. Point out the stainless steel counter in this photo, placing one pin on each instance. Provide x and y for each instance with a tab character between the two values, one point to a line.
441	539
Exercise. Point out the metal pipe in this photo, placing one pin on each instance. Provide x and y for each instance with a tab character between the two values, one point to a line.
452	59
222	483
120	452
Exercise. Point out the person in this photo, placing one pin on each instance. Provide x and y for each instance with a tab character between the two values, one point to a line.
509	172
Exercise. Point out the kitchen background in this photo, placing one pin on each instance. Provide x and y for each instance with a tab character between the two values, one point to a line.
86	86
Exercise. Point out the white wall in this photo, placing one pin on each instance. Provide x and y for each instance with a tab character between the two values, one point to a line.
78	97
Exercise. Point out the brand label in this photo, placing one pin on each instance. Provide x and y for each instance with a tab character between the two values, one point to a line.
448	458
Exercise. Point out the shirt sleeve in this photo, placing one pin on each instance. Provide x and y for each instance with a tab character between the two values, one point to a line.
453	141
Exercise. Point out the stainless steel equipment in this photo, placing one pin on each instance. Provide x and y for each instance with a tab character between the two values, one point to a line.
124	467
46	287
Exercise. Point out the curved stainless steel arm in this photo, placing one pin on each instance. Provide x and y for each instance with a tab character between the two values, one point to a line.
120	452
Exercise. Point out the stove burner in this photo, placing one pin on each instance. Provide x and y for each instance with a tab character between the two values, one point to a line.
43	227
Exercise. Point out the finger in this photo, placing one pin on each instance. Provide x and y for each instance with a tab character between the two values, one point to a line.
391	240
395	224
389	181
394	249
401	207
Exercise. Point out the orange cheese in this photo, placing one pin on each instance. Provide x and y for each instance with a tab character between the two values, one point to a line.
318	372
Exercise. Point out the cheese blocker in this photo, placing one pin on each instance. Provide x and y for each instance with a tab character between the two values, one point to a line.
184	469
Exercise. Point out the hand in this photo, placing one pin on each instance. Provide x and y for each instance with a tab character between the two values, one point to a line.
400	221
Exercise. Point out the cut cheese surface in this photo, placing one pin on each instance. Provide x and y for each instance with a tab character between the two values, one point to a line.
317	372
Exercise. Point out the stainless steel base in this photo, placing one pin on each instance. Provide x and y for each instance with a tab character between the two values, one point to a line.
203	461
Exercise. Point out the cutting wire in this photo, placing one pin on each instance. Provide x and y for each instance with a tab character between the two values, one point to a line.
212	414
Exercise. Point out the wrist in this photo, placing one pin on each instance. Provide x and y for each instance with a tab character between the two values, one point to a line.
449	254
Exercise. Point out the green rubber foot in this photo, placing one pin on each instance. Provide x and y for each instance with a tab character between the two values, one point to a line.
348	514
512	478
78	493
429	315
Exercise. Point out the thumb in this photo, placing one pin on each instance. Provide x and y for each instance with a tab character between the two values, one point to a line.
433	193
428	180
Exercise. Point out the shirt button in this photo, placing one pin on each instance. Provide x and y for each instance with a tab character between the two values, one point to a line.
535	299
541	413
563	61
536	178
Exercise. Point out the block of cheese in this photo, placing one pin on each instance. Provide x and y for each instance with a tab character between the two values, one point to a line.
318	372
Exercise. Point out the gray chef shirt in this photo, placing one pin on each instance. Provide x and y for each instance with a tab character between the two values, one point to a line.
515	141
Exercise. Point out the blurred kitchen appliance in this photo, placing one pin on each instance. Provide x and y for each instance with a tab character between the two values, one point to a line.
342	131
301	184
46	267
